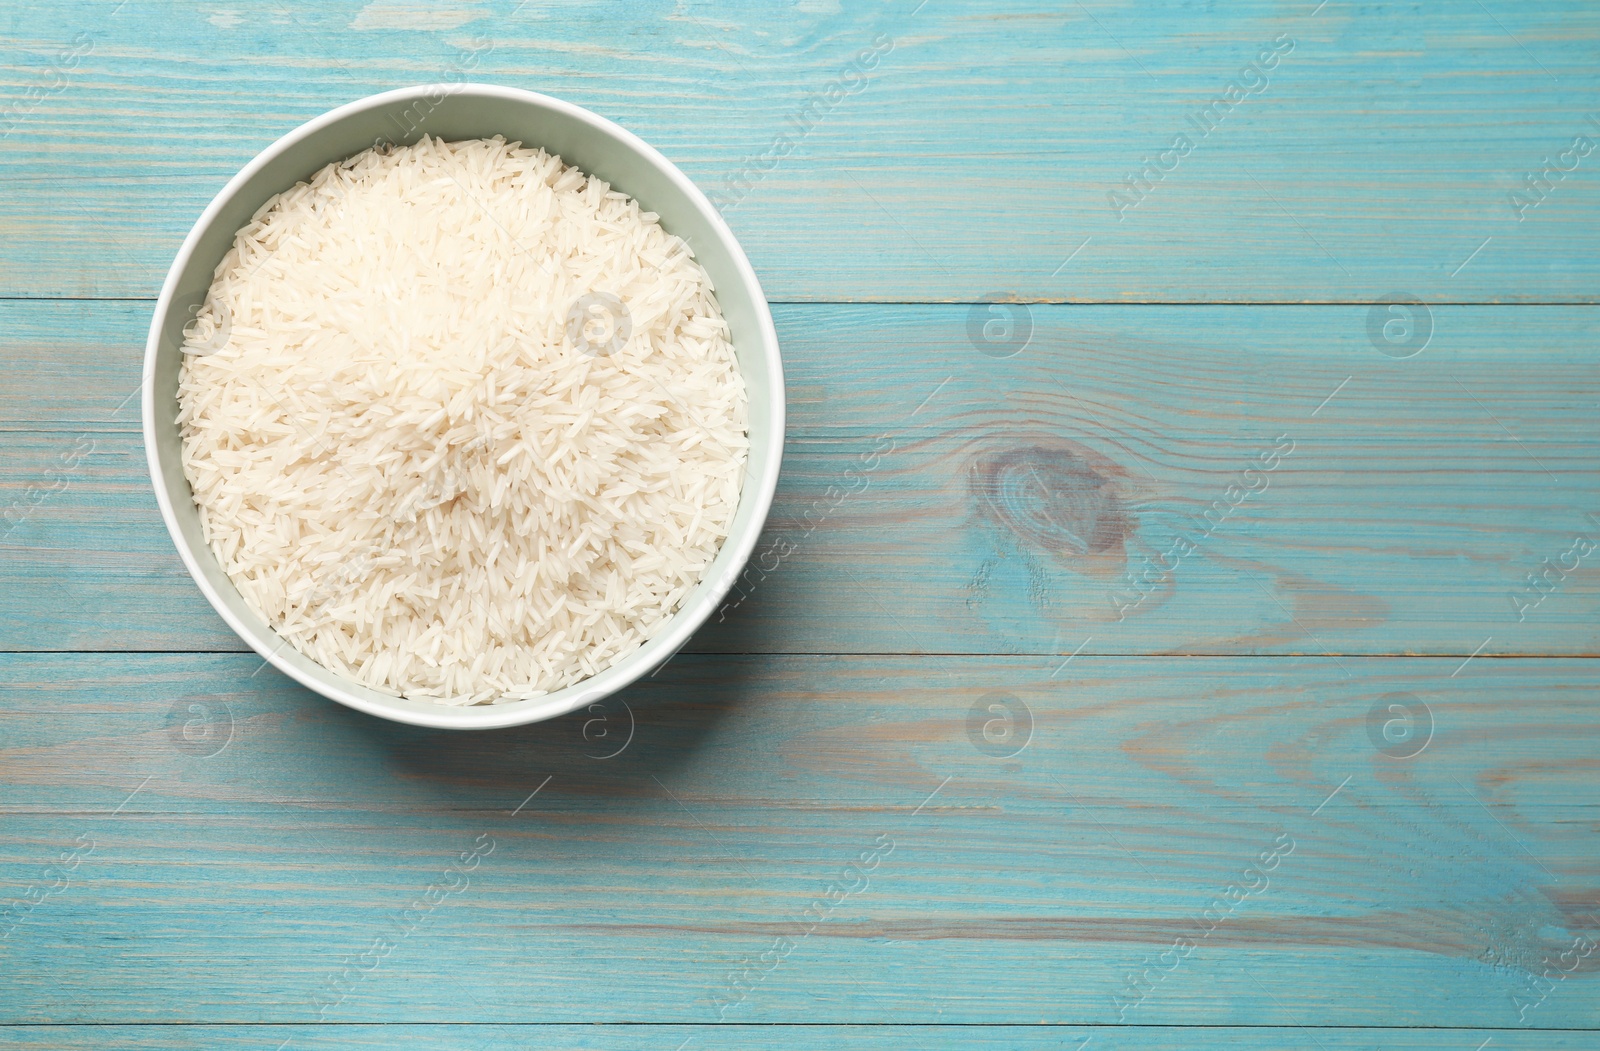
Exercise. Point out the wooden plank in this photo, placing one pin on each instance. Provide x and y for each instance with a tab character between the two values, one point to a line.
229	871
107	731
772	1037
940	499
979	151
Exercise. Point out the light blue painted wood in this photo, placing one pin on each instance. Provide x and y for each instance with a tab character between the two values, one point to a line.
1424	895
981	152
1036	887
775	1038
1405	514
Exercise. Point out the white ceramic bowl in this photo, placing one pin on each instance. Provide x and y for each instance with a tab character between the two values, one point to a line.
467	111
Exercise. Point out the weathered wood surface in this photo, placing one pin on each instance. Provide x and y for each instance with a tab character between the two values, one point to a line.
771	1037
213	848
1020	504
244	835
977	153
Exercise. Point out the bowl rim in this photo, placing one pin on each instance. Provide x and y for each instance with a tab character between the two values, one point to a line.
689	617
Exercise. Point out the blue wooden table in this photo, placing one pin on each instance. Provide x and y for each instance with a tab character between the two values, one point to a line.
1188	636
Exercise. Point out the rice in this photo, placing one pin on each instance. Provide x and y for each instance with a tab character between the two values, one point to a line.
462	422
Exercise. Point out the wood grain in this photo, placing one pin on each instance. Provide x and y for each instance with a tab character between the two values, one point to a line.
977	657
1019	504
774	1037
283	832
979	153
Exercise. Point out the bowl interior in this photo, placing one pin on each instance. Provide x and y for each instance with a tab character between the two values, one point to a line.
466	112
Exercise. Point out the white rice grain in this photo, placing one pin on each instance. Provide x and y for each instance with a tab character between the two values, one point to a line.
405	464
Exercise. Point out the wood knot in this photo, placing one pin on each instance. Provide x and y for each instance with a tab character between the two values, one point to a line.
1055	495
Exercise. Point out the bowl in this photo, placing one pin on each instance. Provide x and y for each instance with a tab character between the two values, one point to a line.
467	111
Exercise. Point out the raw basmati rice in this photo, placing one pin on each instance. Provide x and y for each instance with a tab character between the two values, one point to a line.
421	450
